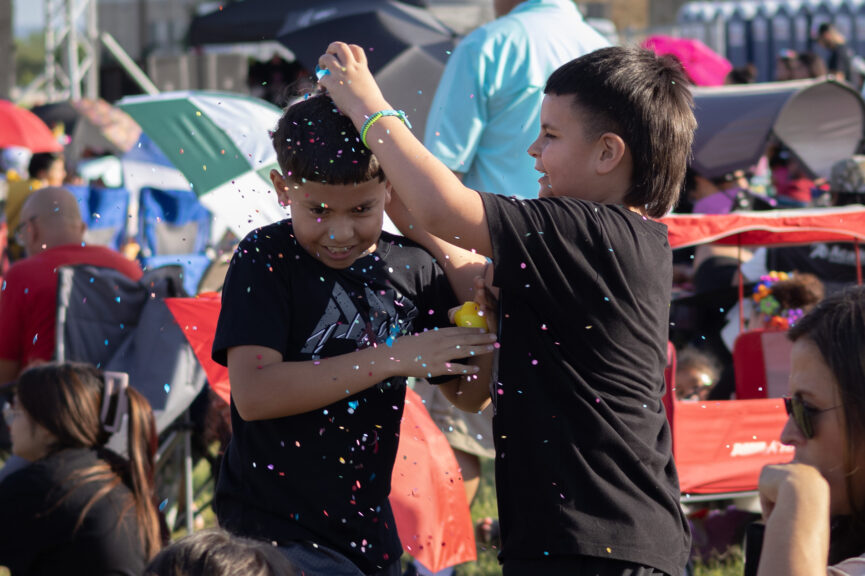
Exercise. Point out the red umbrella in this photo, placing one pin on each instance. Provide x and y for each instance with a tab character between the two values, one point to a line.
20	127
704	66
427	493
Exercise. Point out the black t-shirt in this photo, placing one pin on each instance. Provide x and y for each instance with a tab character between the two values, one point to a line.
322	476
584	463
41	505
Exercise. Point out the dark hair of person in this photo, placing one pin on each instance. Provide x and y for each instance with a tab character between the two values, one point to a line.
837	327
801	290
315	142
66	399
645	99
813	64
41	161
215	552
746	74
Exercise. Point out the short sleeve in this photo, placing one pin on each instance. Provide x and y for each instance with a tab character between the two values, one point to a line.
458	114
256	296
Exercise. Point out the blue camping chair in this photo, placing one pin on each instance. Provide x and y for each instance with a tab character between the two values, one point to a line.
106	213
174	228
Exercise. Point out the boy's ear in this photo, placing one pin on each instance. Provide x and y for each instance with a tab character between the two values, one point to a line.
611	151
280	186
388	191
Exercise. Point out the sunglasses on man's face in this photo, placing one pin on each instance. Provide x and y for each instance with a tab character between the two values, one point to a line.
803	414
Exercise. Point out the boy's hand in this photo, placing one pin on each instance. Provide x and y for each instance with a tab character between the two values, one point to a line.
432	353
350	83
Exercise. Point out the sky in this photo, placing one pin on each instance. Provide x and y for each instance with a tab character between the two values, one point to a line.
27	16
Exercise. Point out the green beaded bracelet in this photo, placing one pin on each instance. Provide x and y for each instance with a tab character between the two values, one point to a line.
378	116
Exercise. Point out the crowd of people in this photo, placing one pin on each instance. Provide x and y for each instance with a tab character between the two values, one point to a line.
326	319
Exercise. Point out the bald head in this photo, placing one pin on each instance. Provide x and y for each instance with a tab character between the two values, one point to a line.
51	217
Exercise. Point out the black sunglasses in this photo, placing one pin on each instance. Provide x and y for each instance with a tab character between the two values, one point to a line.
803	415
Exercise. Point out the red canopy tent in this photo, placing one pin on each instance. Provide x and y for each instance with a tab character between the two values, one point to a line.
721	446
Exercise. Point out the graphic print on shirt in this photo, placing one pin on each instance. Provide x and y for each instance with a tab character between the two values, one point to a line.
367	320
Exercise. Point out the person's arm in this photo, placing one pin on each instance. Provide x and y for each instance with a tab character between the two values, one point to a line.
265	387
467	273
432	193
471	393
795	502
9	370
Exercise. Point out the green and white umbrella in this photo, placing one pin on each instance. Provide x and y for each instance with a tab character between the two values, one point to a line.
221	143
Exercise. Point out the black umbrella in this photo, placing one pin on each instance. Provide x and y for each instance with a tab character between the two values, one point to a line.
406	46
249	21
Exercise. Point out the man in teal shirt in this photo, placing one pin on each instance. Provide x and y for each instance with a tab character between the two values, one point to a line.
486	111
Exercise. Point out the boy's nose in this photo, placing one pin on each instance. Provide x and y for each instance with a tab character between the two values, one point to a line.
340	231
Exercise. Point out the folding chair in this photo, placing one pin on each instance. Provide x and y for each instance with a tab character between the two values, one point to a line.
105	212
174	229
108	320
761	362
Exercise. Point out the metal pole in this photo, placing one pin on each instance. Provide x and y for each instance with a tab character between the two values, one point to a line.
72	52
92	90
128	64
187	472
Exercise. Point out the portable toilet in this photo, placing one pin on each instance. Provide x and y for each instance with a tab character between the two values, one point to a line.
857	10
843	19
801	25
736	35
689	21
715	26
760	36
821	12
780	31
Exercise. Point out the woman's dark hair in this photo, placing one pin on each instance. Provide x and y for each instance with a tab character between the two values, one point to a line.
66	399
801	290
41	161
646	100
837	328
215	552
315	142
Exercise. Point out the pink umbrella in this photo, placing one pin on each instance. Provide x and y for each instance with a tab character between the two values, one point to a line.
704	66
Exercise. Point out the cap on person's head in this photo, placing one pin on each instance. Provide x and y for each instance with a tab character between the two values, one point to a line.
848	176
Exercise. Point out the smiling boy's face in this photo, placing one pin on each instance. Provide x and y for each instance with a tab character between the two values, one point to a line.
571	162
335	223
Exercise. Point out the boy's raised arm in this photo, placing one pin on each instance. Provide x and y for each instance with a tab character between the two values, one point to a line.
432	193
265	387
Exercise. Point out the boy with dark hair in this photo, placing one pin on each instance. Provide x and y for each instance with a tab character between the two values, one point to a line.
318	330
584	471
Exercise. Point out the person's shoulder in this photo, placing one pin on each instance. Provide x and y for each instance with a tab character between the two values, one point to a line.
273	233
391	246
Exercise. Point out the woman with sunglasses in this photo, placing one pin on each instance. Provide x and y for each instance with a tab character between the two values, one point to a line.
814	507
77	507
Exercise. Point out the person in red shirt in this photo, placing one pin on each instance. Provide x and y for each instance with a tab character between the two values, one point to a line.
52	232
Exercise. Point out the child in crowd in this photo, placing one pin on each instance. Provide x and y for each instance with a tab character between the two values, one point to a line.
215	552
696	374
585	476
319	328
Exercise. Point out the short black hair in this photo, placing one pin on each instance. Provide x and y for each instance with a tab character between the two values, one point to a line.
41	161
315	142
646	100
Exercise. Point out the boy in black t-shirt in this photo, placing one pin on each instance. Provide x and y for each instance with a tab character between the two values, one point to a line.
585	476
321	322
